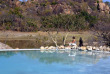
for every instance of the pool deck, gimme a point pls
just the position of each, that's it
(25, 49)
(17, 49)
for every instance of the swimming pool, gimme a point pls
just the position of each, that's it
(54, 62)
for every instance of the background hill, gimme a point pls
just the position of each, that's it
(35, 15)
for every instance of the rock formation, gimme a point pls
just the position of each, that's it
(65, 6)
(4, 46)
(103, 7)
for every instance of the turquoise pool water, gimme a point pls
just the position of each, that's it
(54, 62)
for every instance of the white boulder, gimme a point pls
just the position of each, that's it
(61, 47)
(42, 47)
(97, 49)
(46, 47)
(108, 49)
(74, 47)
(89, 48)
(51, 47)
(104, 48)
(101, 47)
(83, 48)
(67, 47)
(94, 48)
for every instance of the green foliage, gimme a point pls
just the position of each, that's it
(91, 19)
(66, 22)
(94, 8)
(16, 11)
(47, 12)
(22, 3)
(30, 24)
(26, 17)
(7, 27)
(37, 4)
(80, 23)
(1, 2)
(107, 3)
(43, 4)
(54, 3)
(97, 1)
(69, 22)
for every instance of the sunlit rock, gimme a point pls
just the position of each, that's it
(97, 48)
(83, 48)
(74, 47)
(61, 47)
(93, 48)
(108, 49)
(54, 47)
(51, 47)
(89, 48)
(104, 48)
(46, 47)
(68, 47)
(42, 48)
(17, 48)
(4, 46)
(101, 48)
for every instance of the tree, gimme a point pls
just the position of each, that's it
(102, 31)
(107, 3)
(63, 22)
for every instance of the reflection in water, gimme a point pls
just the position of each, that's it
(54, 62)
(64, 57)
(7, 54)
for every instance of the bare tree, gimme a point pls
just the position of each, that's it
(65, 38)
(53, 37)
(102, 31)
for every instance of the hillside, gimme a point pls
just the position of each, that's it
(35, 15)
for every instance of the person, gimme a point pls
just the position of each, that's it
(73, 43)
(80, 42)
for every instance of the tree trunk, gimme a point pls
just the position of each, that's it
(65, 38)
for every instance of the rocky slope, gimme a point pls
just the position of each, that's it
(27, 16)
(4, 46)
(65, 6)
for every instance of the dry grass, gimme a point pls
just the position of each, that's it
(10, 35)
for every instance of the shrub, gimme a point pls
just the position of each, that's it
(7, 27)
(54, 3)
(43, 4)
(97, 1)
(30, 24)
(22, 3)
(66, 22)
(102, 30)
(16, 11)
(91, 19)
